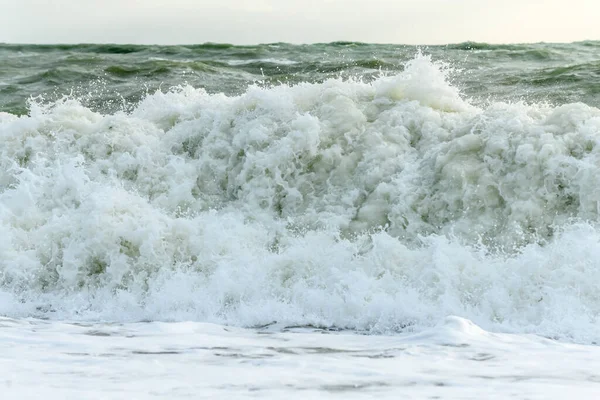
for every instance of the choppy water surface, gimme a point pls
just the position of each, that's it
(108, 77)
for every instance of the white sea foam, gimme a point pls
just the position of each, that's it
(453, 360)
(371, 206)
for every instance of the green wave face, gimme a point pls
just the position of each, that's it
(555, 73)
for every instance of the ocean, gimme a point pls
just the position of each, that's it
(341, 220)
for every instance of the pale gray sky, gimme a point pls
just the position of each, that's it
(297, 21)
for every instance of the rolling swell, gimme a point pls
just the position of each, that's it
(131, 71)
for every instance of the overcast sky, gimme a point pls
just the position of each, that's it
(297, 21)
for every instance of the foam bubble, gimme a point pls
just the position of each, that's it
(374, 206)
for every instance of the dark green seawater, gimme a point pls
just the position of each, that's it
(112, 77)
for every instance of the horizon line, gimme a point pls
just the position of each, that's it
(340, 42)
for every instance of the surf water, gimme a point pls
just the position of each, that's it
(339, 220)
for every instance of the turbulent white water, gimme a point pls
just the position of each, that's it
(367, 206)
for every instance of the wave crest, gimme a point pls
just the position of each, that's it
(360, 205)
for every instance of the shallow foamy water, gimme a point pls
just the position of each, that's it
(455, 359)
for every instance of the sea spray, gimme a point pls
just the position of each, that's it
(377, 206)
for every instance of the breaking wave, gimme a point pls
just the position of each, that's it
(377, 206)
